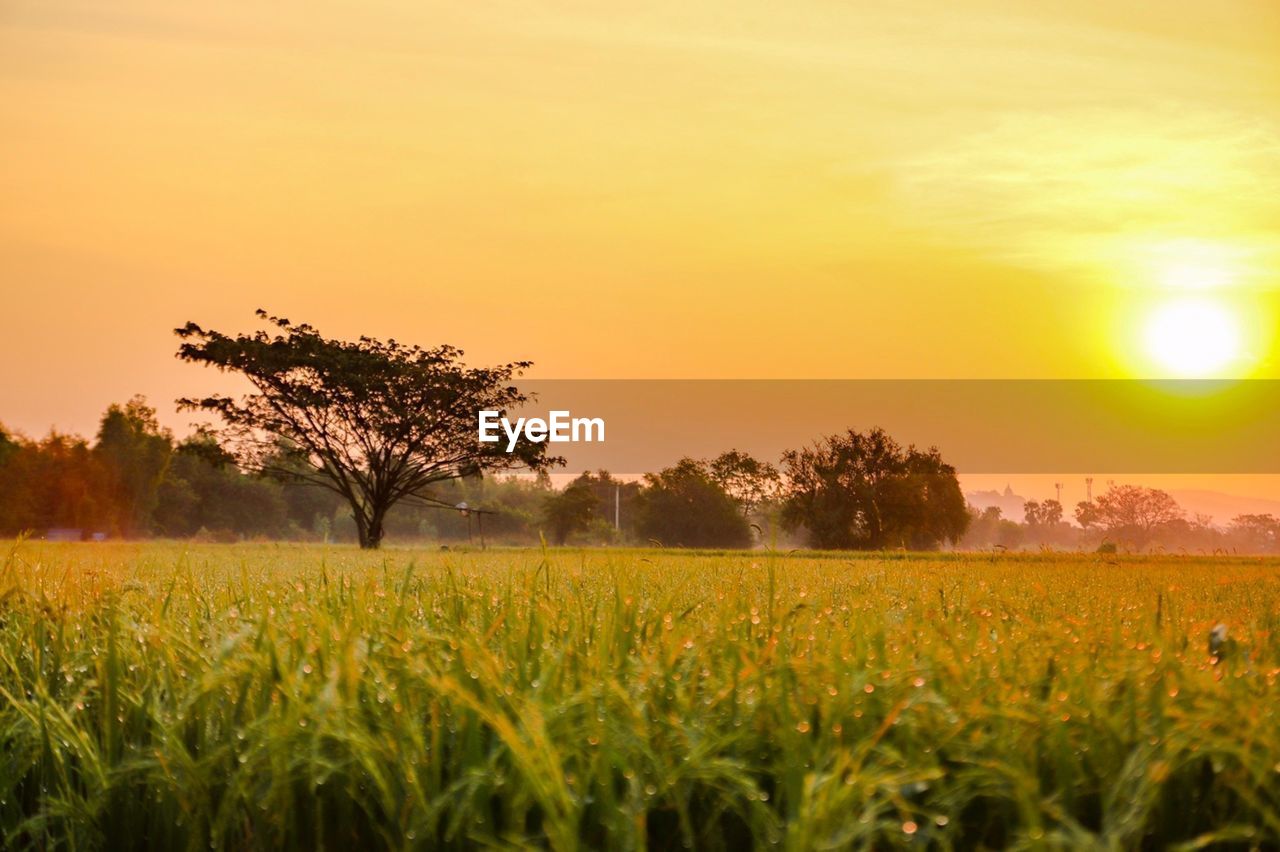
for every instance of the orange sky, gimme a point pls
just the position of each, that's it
(1000, 188)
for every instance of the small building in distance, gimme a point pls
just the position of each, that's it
(1011, 506)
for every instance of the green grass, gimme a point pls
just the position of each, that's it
(184, 697)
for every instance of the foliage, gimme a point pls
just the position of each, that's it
(570, 511)
(1042, 514)
(133, 482)
(375, 422)
(987, 529)
(749, 481)
(1257, 533)
(512, 506)
(588, 507)
(682, 505)
(1134, 513)
(8, 446)
(203, 697)
(135, 452)
(205, 491)
(1087, 514)
(58, 482)
(865, 491)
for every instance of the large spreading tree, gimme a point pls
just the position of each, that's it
(375, 422)
(1130, 512)
(864, 491)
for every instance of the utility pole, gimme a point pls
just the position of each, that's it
(617, 507)
(1088, 489)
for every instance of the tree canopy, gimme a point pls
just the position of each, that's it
(136, 453)
(375, 422)
(864, 491)
(749, 481)
(684, 506)
(1130, 512)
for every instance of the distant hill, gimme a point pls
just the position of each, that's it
(1223, 507)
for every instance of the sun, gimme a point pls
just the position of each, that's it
(1193, 337)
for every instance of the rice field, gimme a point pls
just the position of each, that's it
(302, 697)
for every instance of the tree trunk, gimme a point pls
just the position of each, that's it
(369, 517)
(369, 528)
(373, 536)
(362, 526)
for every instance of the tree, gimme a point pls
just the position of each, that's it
(1135, 513)
(512, 506)
(746, 479)
(592, 502)
(864, 491)
(1046, 514)
(1256, 533)
(204, 490)
(309, 507)
(135, 452)
(684, 506)
(615, 499)
(571, 510)
(1087, 514)
(375, 422)
(56, 482)
(8, 446)
(984, 527)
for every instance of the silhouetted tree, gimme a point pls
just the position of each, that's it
(1046, 514)
(592, 503)
(1087, 514)
(864, 491)
(571, 510)
(375, 422)
(746, 479)
(1135, 513)
(135, 452)
(1257, 533)
(684, 506)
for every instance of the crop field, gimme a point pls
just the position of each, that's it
(264, 696)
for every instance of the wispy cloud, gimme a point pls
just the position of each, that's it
(1095, 188)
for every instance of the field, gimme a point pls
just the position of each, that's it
(261, 696)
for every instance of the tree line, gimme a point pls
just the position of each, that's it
(360, 439)
(134, 479)
(1123, 518)
(850, 491)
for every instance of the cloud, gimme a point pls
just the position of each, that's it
(1104, 188)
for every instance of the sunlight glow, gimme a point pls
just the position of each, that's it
(1195, 264)
(1193, 337)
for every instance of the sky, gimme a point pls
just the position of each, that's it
(927, 189)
